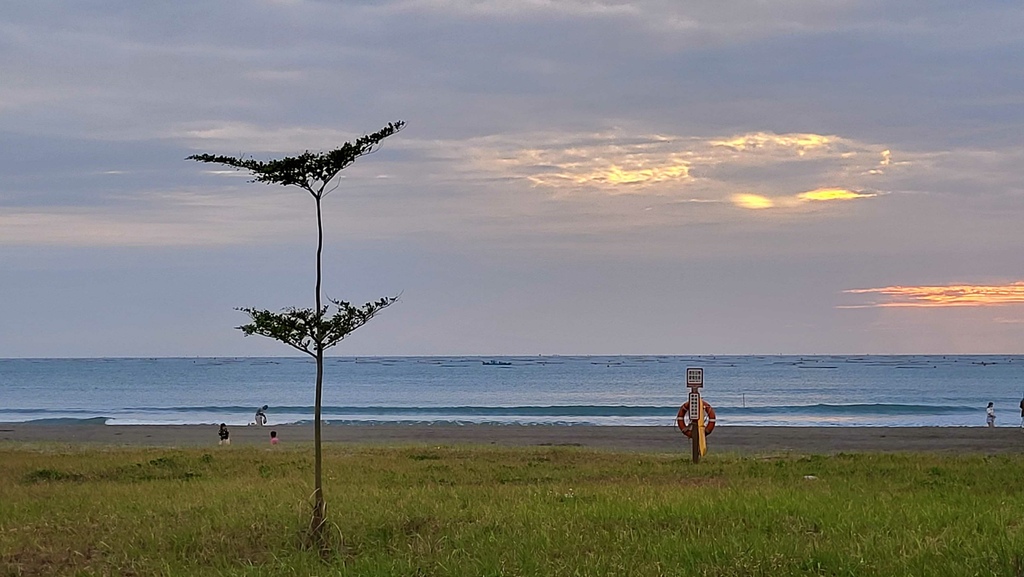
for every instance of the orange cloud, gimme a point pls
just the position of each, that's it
(945, 296)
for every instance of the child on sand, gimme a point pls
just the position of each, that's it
(225, 436)
(990, 415)
(273, 437)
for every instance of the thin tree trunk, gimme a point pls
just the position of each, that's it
(319, 504)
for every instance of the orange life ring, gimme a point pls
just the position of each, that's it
(682, 418)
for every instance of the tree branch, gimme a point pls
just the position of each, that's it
(293, 327)
(348, 318)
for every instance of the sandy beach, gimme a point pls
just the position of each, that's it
(744, 440)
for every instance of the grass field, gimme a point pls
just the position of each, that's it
(482, 511)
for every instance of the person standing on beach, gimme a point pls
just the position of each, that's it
(990, 415)
(225, 436)
(1022, 413)
(261, 417)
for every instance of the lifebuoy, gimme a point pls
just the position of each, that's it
(683, 418)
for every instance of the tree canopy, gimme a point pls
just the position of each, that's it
(311, 171)
(305, 330)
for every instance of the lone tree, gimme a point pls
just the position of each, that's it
(312, 330)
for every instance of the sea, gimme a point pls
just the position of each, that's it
(837, 391)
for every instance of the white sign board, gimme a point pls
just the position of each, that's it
(694, 377)
(694, 406)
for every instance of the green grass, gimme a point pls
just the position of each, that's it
(485, 511)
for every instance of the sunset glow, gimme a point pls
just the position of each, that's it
(614, 179)
(752, 201)
(944, 296)
(619, 175)
(822, 194)
(814, 169)
(797, 141)
(757, 202)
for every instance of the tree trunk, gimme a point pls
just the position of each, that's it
(319, 518)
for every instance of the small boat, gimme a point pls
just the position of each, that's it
(497, 363)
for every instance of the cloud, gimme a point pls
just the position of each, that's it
(615, 176)
(222, 135)
(758, 202)
(827, 194)
(752, 201)
(174, 218)
(520, 8)
(765, 167)
(801, 144)
(944, 296)
(541, 186)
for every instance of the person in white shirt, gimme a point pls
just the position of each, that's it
(261, 416)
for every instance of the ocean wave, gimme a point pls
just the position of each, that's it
(529, 413)
(852, 409)
(540, 410)
(68, 421)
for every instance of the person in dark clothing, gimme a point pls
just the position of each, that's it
(225, 436)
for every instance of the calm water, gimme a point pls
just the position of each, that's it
(604, 390)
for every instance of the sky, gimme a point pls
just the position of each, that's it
(575, 176)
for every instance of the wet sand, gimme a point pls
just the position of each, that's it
(725, 439)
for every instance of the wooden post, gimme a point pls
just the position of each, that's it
(695, 433)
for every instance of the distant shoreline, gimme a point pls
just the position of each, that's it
(725, 439)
